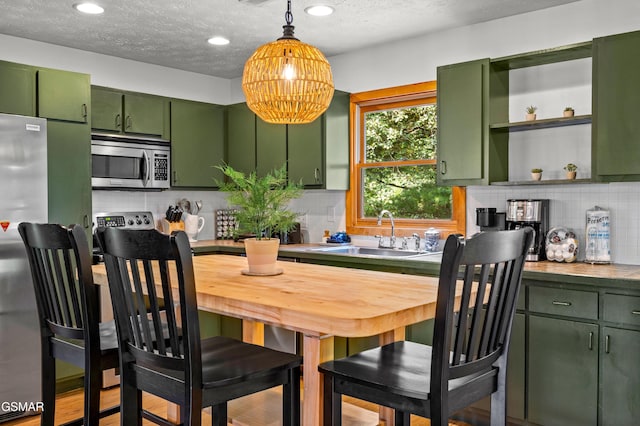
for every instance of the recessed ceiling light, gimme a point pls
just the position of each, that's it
(218, 41)
(319, 10)
(90, 8)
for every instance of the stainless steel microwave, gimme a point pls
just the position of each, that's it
(119, 162)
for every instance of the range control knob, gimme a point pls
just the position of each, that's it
(130, 222)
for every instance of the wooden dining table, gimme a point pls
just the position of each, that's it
(318, 301)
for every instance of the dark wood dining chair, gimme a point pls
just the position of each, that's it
(194, 373)
(468, 358)
(69, 312)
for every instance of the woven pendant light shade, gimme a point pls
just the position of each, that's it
(287, 81)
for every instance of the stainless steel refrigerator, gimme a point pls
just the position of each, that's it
(23, 197)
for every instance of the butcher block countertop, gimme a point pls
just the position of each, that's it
(612, 275)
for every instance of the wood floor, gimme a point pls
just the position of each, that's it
(262, 409)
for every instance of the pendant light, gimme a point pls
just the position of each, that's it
(287, 81)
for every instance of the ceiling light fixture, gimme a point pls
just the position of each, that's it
(287, 81)
(218, 41)
(90, 8)
(319, 10)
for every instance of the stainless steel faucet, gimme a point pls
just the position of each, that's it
(392, 239)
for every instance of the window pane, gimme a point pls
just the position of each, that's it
(408, 192)
(401, 134)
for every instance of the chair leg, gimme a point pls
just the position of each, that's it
(130, 402)
(219, 415)
(332, 411)
(499, 400)
(92, 384)
(48, 385)
(402, 418)
(291, 399)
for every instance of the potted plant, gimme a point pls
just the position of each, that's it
(570, 170)
(531, 112)
(262, 212)
(536, 174)
(568, 112)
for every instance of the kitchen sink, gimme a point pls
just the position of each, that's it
(371, 251)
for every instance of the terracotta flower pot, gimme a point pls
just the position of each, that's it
(531, 117)
(568, 113)
(262, 256)
(536, 176)
(571, 175)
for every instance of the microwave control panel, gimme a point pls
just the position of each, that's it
(161, 167)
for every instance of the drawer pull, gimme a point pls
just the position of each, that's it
(606, 344)
(635, 312)
(558, 303)
(591, 340)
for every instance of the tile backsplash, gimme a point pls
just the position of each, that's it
(322, 210)
(567, 207)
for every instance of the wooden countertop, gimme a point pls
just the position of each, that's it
(617, 275)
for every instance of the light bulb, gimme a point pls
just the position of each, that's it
(289, 72)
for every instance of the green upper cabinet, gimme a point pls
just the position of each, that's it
(17, 89)
(241, 138)
(463, 99)
(128, 112)
(197, 143)
(63, 95)
(271, 146)
(316, 153)
(305, 152)
(615, 127)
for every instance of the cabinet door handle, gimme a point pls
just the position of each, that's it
(443, 167)
(175, 177)
(127, 122)
(316, 175)
(606, 344)
(85, 221)
(84, 111)
(559, 303)
(591, 340)
(635, 312)
(118, 121)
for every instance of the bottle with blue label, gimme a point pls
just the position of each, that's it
(597, 235)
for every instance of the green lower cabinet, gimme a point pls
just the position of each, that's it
(17, 89)
(69, 187)
(197, 144)
(563, 372)
(620, 377)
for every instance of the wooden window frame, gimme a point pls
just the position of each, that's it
(382, 99)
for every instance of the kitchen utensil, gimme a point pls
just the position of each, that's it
(198, 207)
(184, 205)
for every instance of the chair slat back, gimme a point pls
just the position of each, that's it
(62, 279)
(471, 334)
(143, 267)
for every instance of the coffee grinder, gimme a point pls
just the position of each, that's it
(489, 220)
(534, 214)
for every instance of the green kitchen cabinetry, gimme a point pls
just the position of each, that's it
(616, 128)
(464, 157)
(271, 146)
(316, 153)
(197, 144)
(563, 372)
(563, 356)
(129, 112)
(241, 138)
(63, 95)
(17, 89)
(305, 152)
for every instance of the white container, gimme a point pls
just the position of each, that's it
(597, 235)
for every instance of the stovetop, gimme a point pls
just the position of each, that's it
(128, 220)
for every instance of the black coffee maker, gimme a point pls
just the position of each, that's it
(534, 214)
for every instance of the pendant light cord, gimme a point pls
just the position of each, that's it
(287, 32)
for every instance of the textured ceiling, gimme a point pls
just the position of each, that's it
(174, 33)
